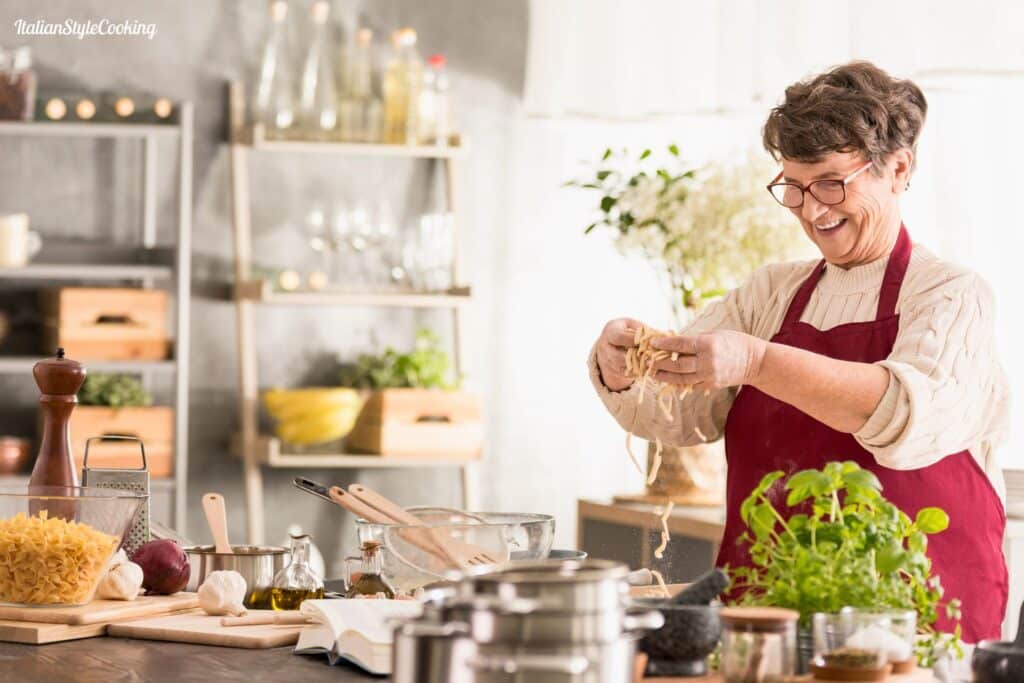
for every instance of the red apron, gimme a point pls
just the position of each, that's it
(763, 434)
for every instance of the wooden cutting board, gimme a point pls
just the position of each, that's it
(40, 634)
(202, 629)
(101, 611)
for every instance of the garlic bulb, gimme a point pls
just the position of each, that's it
(223, 593)
(122, 580)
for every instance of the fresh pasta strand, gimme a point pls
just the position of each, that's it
(656, 465)
(661, 583)
(665, 536)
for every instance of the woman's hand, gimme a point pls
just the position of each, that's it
(616, 337)
(712, 360)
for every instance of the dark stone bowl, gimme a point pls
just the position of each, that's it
(997, 662)
(680, 647)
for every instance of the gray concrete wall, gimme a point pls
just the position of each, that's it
(89, 190)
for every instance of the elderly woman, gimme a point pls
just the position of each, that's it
(880, 352)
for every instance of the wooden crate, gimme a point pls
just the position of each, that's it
(106, 323)
(419, 423)
(153, 424)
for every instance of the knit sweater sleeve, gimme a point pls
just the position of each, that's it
(945, 384)
(699, 417)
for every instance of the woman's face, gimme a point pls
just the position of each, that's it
(863, 228)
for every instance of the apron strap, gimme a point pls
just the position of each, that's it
(802, 296)
(888, 293)
(894, 272)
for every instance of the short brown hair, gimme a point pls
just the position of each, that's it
(853, 107)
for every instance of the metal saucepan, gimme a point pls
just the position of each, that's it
(568, 586)
(256, 564)
(1000, 661)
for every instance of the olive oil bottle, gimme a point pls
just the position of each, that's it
(369, 580)
(297, 582)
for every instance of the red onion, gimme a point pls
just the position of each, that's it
(165, 567)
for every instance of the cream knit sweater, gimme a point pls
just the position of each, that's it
(946, 393)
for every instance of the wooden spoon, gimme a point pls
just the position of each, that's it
(216, 517)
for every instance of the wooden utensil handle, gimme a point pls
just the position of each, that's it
(264, 619)
(216, 517)
(358, 507)
(385, 505)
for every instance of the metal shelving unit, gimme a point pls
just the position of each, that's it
(155, 264)
(256, 450)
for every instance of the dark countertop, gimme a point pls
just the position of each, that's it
(121, 660)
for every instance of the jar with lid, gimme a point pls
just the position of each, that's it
(17, 84)
(758, 644)
(367, 580)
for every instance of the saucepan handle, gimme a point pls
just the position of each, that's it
(648, 620)
(513, 664)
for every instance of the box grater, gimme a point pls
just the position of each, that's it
(124, 479)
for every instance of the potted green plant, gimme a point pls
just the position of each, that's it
(111, 404)
(704, 230)
(414, 407)
(845, 546)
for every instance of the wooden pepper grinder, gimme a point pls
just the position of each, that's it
(59, 380)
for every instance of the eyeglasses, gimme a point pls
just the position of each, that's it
(829, 192)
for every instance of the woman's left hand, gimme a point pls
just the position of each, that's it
(711, 360)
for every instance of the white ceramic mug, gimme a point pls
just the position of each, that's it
(18, 244)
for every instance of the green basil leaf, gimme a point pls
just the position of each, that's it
(932, 520)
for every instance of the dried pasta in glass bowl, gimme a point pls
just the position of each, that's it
(55, 543)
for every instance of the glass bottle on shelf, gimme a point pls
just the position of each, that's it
(17, 84)
(414, 78)
(297, 582)
(361, 111)
(370, 580)
(318, 103)
(274, 103)
(434, 111)
(396, 93)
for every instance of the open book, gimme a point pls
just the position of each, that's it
(358, 631)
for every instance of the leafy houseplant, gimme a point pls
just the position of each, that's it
(114, 391)
(413, 409)
(425, 367)
(846, 546)
(704, 230)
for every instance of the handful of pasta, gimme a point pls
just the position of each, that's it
(48, 560)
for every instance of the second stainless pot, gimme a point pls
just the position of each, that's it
(256, 564)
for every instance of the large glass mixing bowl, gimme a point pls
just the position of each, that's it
(409, 563)
(56, 542)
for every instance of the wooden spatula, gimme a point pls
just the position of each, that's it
(216, 517)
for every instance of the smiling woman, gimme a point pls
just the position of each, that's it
(879, 353)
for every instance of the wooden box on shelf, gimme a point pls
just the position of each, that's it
(416, 423)
(106, 323)
(154, 425)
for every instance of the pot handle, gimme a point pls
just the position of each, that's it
(650, 620)
(419, 629)
(513, 664)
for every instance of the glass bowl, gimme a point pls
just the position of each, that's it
(56, 541)
(503, 536)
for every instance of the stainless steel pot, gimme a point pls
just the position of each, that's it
(564, 586)
(256, 564)
(425, 652)
(525, 622)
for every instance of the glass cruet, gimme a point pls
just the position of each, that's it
(368, 579)
(297, 581)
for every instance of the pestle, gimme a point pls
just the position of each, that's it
(702, 591)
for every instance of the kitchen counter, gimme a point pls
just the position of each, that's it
(117, 660)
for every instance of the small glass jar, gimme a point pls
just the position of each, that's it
(17, 85)
(758, 644)
(892, 630)
(368, 579)
(297, 582)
